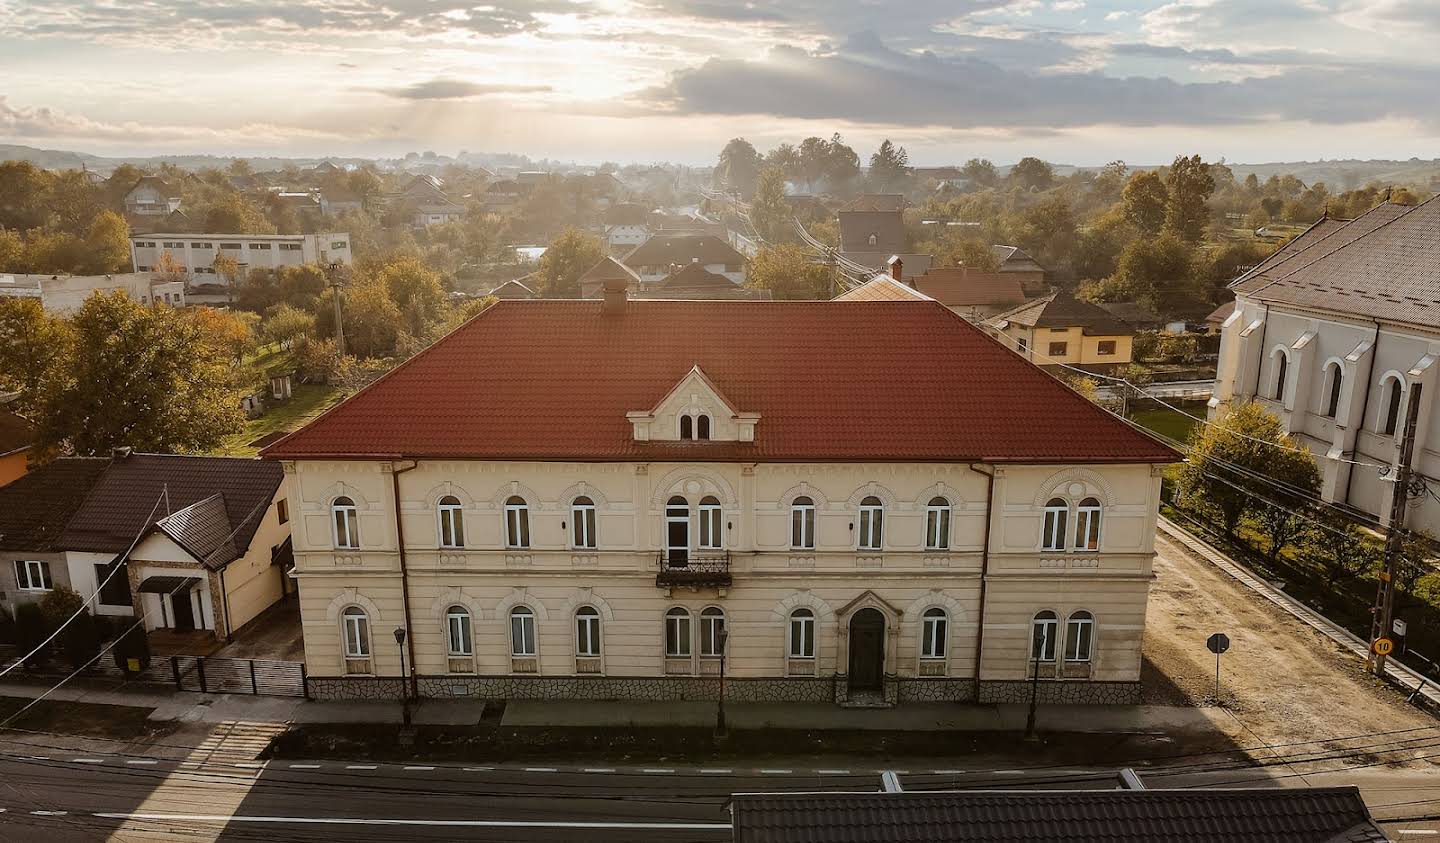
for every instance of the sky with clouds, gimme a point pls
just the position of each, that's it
(1076, 81)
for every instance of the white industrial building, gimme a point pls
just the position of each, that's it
(64, 294)
(197, 252)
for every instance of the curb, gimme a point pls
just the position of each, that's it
(1402, 677)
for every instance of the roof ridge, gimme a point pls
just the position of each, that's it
(1409, 210)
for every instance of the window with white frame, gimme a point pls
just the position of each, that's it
(582, 512)
(345, 520)
(357, 633)
(934, 633)
(33, 575)
(1079, 636)
(677, 633)
(712, 628)
(452, 522)
(517, 522)
(587, 632)
(1393, 394)
(1087, 525)
(802, 634)
(1052, 533)
(1282, 364)
(712, 523)
(522, 632)
(1042, 636)
(937, 524)
(872, 523)
(457, 627)
(1334, 380)
(802, 523)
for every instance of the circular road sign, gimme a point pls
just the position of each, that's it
(1218, 643)
(1383, 646)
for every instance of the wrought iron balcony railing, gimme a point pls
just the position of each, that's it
(690, 567)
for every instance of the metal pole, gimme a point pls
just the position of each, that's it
(339, 315)
(720, 709)
(1217, 678)
(1034, 694)
(1395, 533)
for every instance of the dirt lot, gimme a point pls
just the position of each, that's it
(1282, 682)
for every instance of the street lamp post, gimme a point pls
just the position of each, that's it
(404, 678)
(721, 638)
(1034, 694)
(335, 269)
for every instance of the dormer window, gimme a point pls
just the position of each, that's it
(873, 239)
(695, 426)
(693, 410)
(687, 427)
(702, 427)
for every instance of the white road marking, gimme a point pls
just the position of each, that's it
(38, 757)
(361, 767)
(304, 766)
(249, 765)
(49, 813)
(724, 772)
(222, 818)
(599, 769)
(417, 767)
(657, 770)
(833, 772)
(87, 760)
(541, 770)
(478, 769)
(1419, 831)
(947, 772)
(140, 761)
(777, 772)
(1009, 772)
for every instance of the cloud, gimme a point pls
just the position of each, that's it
(866, 82)
(457, 89)
(43, 122)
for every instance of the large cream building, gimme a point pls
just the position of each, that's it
(861, 502)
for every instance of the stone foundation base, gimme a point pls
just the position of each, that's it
(1052, 692)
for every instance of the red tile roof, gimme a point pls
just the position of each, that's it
(832, 381)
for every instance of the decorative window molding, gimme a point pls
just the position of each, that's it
(805, 489)
(521, 597)
(586, 596)
(678, 481)
(455, 596)
(807, 599)
(351, 596)
(1059, 485)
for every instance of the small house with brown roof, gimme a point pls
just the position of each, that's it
(34, 511)
(152, 196)
(608, 269)
(662, 254)
(1060, 330)
(694, 281)
(973, 295)
(1016, 262)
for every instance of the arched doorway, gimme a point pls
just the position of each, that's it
(867, 650)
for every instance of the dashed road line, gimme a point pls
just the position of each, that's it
(87, 760)
(477, 769)
(599, 769)
(1426, 831)
(417, 767)
(139, 761)
(362, 767)
(833, 772)
(717, 772)
(304, 766)
(248, 765)
(49, 813)
(1009, 772)
(948, 772)
(658, 770)
(541, 770)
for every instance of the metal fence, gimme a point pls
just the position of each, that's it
(238, 676)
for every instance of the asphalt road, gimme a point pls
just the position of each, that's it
(71, 797)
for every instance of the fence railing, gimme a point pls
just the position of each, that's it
(238, 676)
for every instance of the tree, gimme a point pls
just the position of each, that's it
(769, 212)
(107, 244)
(966, 250)
(1189, 184)
(1417, 558)
(787, 158)
(1151, 272)
(225, 267)
(1032, 174)
(568, 257)
(372, 320)
(739, 167)
(12, 251)
(139, 376)
(31, 630)
(1145, 198)
(132, 650)
(788, 272)
(980, 173)
(79, 637)
(1243, 456)
(286, 324)
(1342, 550)
(889, 167)
(168, 268)
(415, 289)
(1110, 181)
(233, 214)
(32, 342)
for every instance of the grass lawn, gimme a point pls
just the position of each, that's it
(1167, 422)
(307, 401)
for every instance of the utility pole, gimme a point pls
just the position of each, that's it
(1384, 608)
(335, 285)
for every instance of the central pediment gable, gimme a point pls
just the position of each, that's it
(694, 409)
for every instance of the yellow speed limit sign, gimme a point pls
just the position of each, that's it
(1383, 646)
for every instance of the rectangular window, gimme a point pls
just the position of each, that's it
(712, 627)
(711, 527)
(1021, 344)
(937, 528)
(872, 520)
(259, 247)
(114, 591)
(458, 639)
(1106, 347)
(289, 247)
(587, 636)
(1059, 349)
(357, 637)
(232, 246)
(677, 636)
(802, 527)
(202, 245)
(802, 636)
(1077, 639)
(1042, 639)
(1053, 534)
(33, 575)
(522, 635)
(584, 532)
(337, 244)
(282, 511)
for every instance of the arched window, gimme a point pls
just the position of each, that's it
(937, 524)
(517, 522)
(1334, 379)
(677, 531)
(522, 632)
(872, 523)
(712, 523)
(1087, 525)
(1052, 534)
(582, 512)
(687, 427)
(346, 523)
(1394, 394)
(452, 522)
(712, 627)
(457, 628)
(356, 626)
(677, 633)
(587, 632)
(1042, 636)
(934, 633)
(702, 427)
(802, 523)
(802, 634)
(1079, 636)
(1282, 363)
(873, 239)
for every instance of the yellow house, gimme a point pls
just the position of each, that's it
(859, 502)
(1061, 329)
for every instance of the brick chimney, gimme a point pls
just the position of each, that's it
(615, 289)
(897, 268)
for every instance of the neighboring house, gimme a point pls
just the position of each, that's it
(1016, 261)
(335, 201)
(883, 288)
(34, 510)
(303, 202)
(17, 437)
(875, 502)
(1217, 318)
(973, 295)
(1332, 333)
(204, 540)
(513, 289)
(152, 196)
(660, 255)
(1061, 329)
(427, 202)
(1238, 815)
(915, 264)
(503, 195)
(871, 202)
(65, 294)
(872, 231)
(592, 283)
(696, 282)
(662, 223)
(196, 252)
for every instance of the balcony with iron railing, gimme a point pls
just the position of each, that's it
(680, 567)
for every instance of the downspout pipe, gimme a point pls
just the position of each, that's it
(1364, 411)
(225, 607)
(395, 472)
(984, 570)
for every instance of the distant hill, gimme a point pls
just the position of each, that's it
(58, 159)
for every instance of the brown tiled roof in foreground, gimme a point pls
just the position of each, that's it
(35, 508)
(832, 381)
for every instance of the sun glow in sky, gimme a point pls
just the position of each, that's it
(1076, 81)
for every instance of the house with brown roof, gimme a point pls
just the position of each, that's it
(592, 283)
(694, 281)
(34, 510)
(1333, 333)
(152, 196)
(1060, 330)
(862, 502)
(973, 295)
(662, 254)
(1016, 262)
(200, 543)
